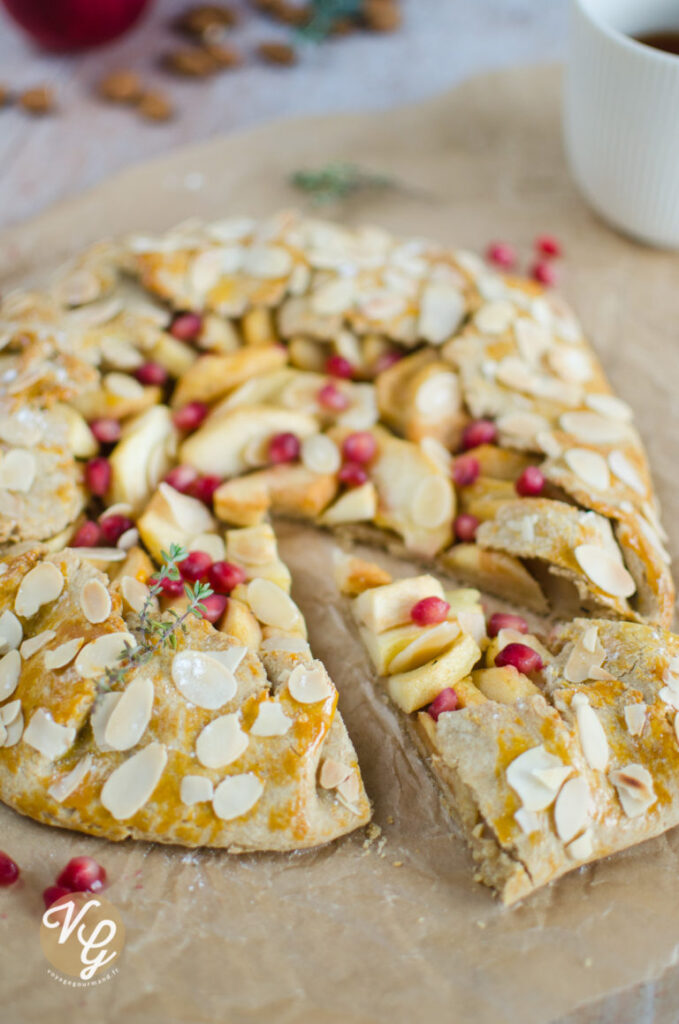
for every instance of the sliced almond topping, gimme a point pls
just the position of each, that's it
(271, 720)
(221, 742)
(17, 470)
(9, 712)
(14, 731)
(572, 808)
(589, 466)
(67, 784)
(47, 736)
(581, 848)
(95, 601)
(11, 631)
(10, 670)
(131, 785)
(586, 658)
(611, 407)
(229, 658)
(442, 308)
(309, 684)
(333, 773)
(523, 426)
(592, 736)
(527, 821)
(320, 454)
(555, 777)
(102, 653)
(34, 643)
(103, 709)
(523, 776)
(495, 317)
(532, 339)
(39, 586)
(591, 428)
(271, 604)
(134, 592)
(349, 790)
(605, 570)
(625, 471)
(635, 788)
(130, 716)
(63, 654)
(547, 442)
(437, 453)
(267, 261)
(122, 385)
(337, 296)
(203, 679)
(196, 789)
(236, 795)
(635, 718)
(100, 554)
(432, 502)
(289, 644)
(669, 696)
(129, 539)
(189, 513)
(211, 543)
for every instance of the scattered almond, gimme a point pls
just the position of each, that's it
(38, 101)
(281, 54)
(155, 106)
(121, 86)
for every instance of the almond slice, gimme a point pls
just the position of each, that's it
(102, 653)
(17, 470)
(11, 631)
(14, 731)
(289, 644)
(611, 407)
(34, 643)
(528, 821)
(337, 296)
(101, 712)
(271, 720)
(635, 718)
(349, 790)
(130, 716)
(95, 601)
(625, 471)
(271, 604)
(589, 466)
(63, 654)
(236, 795)
(333, 773)
(581, 848)
(134, 592)
(8, 712)
(189, 513)
(131, 785)
(634, 785)
(592, 736)
(591, 428)
(432, 502)
(196, 789)
(495, 317)
(221, 742)
(48, 737)
(523, 426)
(122, 385)
(267, 261)
(523, 777)
(67, 784)
(442, 307)
(572, 808)
(605, 570)
(10, 671)
(320, 454)
(100, 554)
(211, 543)
(308, 684)
(39, 586)
(203, 679)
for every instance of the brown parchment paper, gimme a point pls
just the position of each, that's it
(393, 929)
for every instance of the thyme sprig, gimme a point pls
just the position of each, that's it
(156, 633)
(338, 181)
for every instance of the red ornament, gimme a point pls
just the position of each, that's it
(72, 24)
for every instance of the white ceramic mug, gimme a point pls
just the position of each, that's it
(621, 115)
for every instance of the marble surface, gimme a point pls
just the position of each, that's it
(441, 42)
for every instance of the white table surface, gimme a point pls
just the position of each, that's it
(441, 42)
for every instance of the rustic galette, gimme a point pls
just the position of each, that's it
(166, 397)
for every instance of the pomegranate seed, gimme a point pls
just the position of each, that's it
(214, 606)
(521, 657)
(531, 483)
(548, 245)
(502, 254)
(86, 536)
(106, 430)
(338, 366)
(465, 470)
(9, 870)
(190, 416)
(186, 326)
(544, 272)
(352, 475)
(171, 588)
(152, 373)
(330, 397)
(429, 611)
(82, 874)
(204, 488)
(53, 893)
(284, 448)
(224, 576)
(446, 701)
(465, 527)
(181, 478)
(194, 566)
(479, 432)
(386, 360)
(359, 447)
(113, 527)
(98, 475)
(505, 620)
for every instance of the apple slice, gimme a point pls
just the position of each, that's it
(415, 689)
(79, 437)
(212, 376)
(172, 518)
(355, 575)
(384, 607)
(496, 572)
(504, 685)
(354, 506)
(289, 489)
(143, 456)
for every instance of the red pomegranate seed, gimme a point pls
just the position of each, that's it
(194, 566)
(214, 607)
(531, 483)
(502, 254)
(386, 360)
(224, 576)
(360, 447)
(86, 536)
(106, 430)
(544, 272)
(152, 373)
(284, 448)
(181, 478)
(465, 527)
(171, 588)
(429, 611)
(479, 432)
(186, 326)
(465, 470)
(204, 488)
(338, 366)
(505, 620)
(446, 701)
(352, 474)
(521, 657)
(82, 874)
(330, 397)
(548, 245)
(53, 893)
(190, 416)
(9, 870)
(98, 475)
(113, 527)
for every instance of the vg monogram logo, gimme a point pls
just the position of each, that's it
(82, 935)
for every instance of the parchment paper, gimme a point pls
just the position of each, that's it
(344, 935)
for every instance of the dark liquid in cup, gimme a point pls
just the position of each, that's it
(667, 41)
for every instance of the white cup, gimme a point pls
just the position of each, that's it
(621, 115)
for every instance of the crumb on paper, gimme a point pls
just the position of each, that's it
(390, 819)
(397, 863)
(588, 961)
